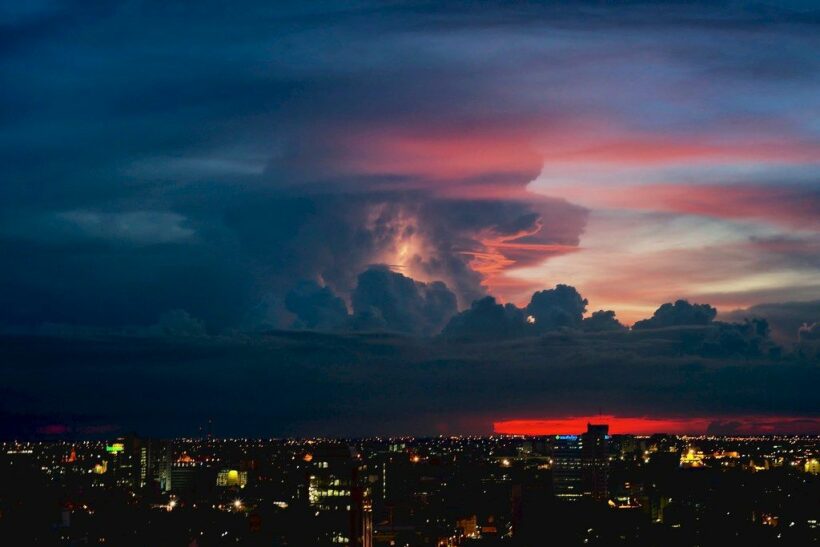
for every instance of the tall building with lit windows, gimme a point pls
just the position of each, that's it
(580, 465)
(135, 462)
(150, 456)
(566, 467)
(339, 498)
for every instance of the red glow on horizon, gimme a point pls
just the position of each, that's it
(643, 425)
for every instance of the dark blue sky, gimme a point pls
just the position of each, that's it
(177, 170)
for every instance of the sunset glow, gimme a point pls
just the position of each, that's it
(644, 425)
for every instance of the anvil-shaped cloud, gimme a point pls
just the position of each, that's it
(641, 153)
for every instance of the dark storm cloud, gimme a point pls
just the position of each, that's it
(316, 307)
(98, 283)
(257, 247)
(602, 321)
(335, 237)
(678, 314)
(786, 319)
(397, 303)
(559, 308)
(382, 300)
(309, 383)
(554, 308)
(489, 320)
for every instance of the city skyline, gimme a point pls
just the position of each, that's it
(409, 273)
(591, 487)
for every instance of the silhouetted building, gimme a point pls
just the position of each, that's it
(339, 498)
(595, 462)
(190, 478)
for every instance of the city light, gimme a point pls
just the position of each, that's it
(115, 448)
(410, 273)
(349, 489)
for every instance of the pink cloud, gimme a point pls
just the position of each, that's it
(788, 205)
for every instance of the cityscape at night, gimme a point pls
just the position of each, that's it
(409, 273)
(590, 488)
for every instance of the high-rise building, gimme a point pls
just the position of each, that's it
(595, 462)
(135, 462)
(339, 498)
(121, 462)
(151, 455)
(580, 464)
(566, 467)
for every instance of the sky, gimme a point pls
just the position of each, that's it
(231, 169)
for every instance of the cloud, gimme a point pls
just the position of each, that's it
(179, 323)
(316, 307)
(175, 323)
(142, 227)
(678, 314)
(688, 328)
(307, 383)
(809, 332)
(88, 227)
(488, 319)
(786, 319)
(268, 155)
(548, 310)
(602, 321)
(809, 341)
(790, 204)
(383, 300)
(554, 308)
(749, 338)
(397, 303)
(279, 237)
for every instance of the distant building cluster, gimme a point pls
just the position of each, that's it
(519, 491)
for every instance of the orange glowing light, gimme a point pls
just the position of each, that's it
(647, 425)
